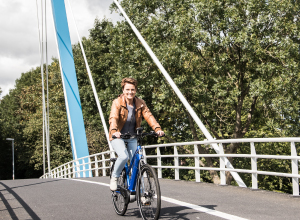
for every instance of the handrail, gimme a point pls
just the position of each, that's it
(224, 141)
(98, 163)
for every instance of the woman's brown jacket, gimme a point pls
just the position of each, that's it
(119, 113)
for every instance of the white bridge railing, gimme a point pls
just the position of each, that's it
(98, 164)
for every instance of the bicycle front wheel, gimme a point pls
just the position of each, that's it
(118, 199)
(148, 193)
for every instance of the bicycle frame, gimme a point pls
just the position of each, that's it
(134, 166)
(126, 191)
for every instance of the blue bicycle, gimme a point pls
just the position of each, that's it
(138, 182)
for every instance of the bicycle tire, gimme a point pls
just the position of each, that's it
(148, 193)
(118, 199)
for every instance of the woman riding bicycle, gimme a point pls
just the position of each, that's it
(125, 116)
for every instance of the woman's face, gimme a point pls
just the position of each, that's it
(129, 91)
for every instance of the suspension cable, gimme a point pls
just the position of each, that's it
(39, 33)
(43, 88)
(47, 79)
(45, 124)
(91, 80)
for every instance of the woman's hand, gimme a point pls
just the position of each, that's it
(160, 133)
(117, 134)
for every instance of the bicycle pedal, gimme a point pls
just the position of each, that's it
(145, 201)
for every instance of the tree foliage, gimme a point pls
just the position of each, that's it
(236, 62)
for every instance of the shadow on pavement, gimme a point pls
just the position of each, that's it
(177, 212)
(46, 181)
(20, 200)
(174, 212)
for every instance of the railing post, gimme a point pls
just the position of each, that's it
(73, 170)
(69, 171)
(112, 155)
(83, 167)
(77, 166)
(197, 165)
(103, 165)
(253, 166)
(96, 166)
(159, 170)
(295, 170)
(176, 163)
(90, 167)
(65, 171)
(222, 165)
(144, 153)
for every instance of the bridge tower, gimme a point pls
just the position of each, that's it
(69, 81)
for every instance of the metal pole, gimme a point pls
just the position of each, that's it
(13, 157)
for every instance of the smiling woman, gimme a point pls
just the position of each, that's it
(125, 116)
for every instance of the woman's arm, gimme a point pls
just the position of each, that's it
(151, 120)
(114, 117)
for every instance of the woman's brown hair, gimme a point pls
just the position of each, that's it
(130, 81)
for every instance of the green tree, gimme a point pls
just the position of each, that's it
(21, 119)
(32, 110)
(232, 60)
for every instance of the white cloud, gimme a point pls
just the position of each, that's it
(19, 39)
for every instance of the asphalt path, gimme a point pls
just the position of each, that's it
(90, 198)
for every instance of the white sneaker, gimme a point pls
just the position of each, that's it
(113, 183)
(145, 201)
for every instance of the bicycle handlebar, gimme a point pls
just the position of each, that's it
(128, 135)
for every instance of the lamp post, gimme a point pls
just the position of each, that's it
(13, 158)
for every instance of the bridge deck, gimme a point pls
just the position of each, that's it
(89, 198)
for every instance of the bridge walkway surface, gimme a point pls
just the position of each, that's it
(90, 198)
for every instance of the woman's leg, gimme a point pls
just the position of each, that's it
(131, 147)
(120, 148)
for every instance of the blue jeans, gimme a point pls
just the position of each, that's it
(123, 153)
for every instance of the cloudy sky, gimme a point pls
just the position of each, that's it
(19, 38)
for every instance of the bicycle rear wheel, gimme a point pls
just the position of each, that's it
(118, 199)
(149, 197)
